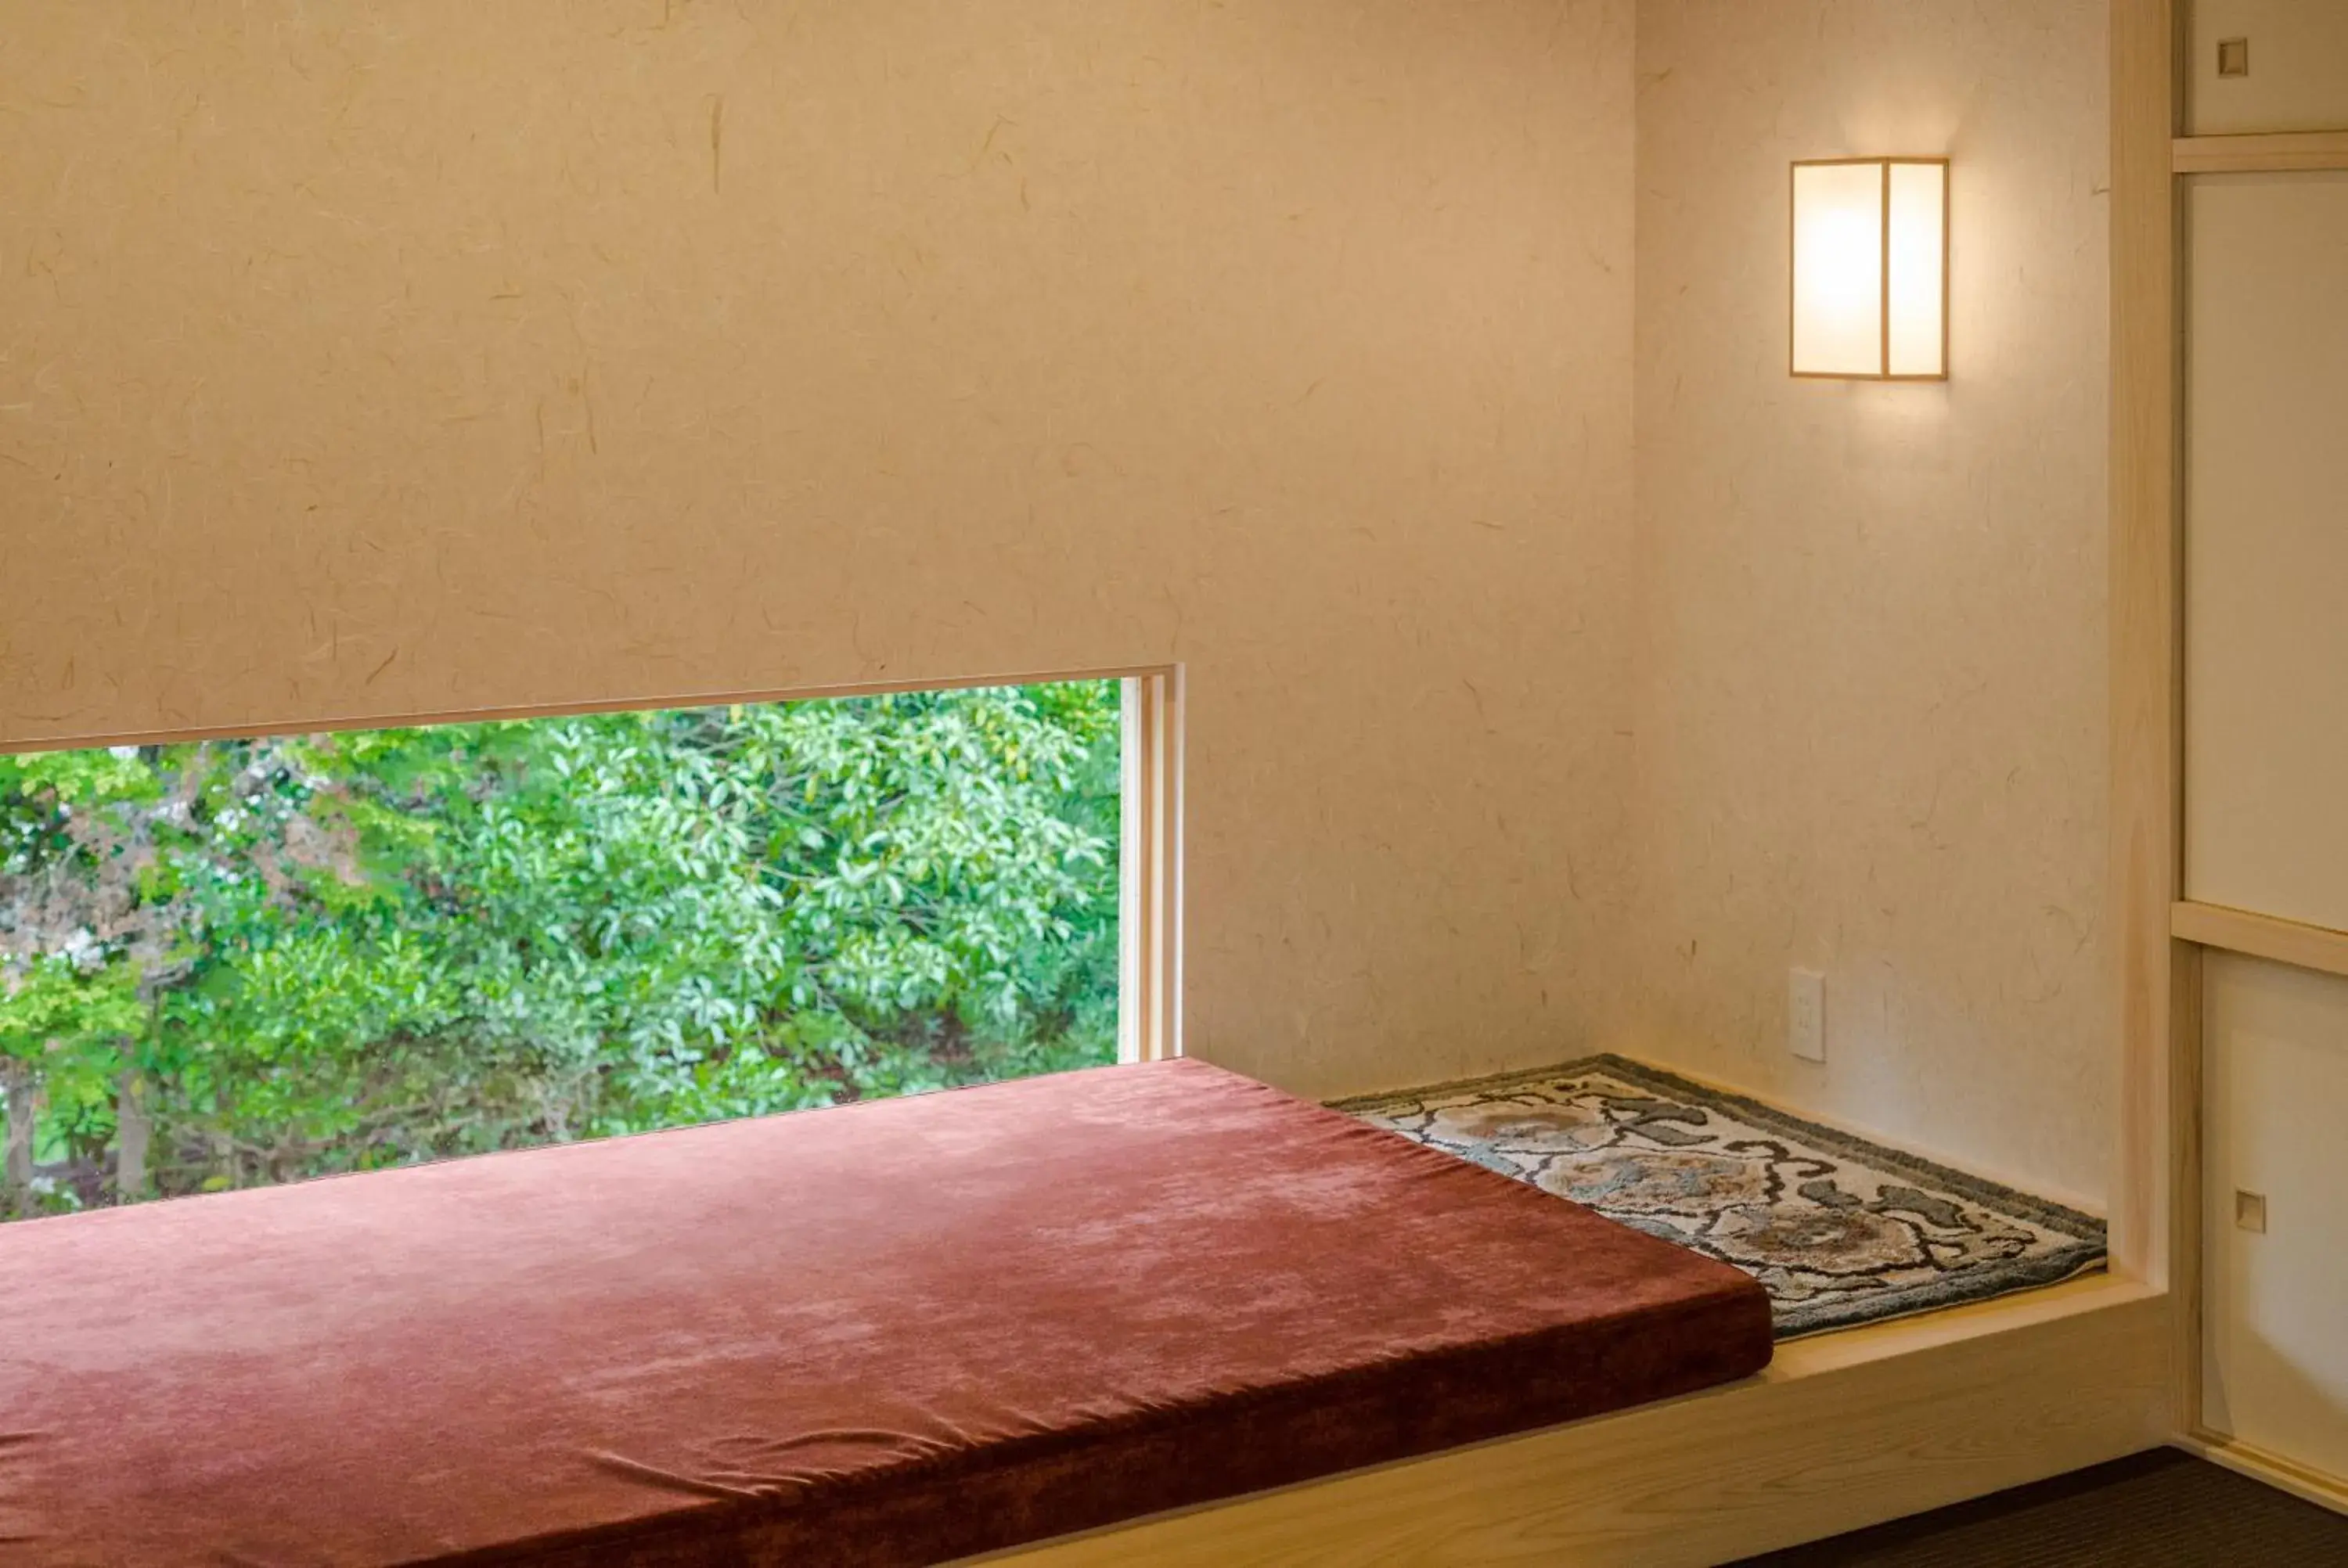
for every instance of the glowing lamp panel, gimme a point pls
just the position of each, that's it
(1870, 269)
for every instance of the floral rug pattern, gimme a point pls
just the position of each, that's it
(1840, 1231)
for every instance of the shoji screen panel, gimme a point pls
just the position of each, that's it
(2266, 575)
(2274, 1370)
(2297, 56)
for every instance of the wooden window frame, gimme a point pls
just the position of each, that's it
(1149, 921)
(1149, 901)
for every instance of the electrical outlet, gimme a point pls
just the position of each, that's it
(1806, 1014)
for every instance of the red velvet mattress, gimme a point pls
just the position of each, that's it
(888, 1333)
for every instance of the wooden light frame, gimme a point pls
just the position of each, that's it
(1885, 270)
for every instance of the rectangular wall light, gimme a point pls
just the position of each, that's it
(1870, 269)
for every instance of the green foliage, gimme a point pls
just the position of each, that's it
(335, 952)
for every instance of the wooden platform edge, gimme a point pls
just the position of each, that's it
(1845, 1430)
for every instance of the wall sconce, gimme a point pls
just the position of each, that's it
(1870, 273)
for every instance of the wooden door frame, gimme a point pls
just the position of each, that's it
(2162, 938)
(2151, 1228)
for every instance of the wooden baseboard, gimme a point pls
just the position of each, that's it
(1845, 1430)
(2247, 1458)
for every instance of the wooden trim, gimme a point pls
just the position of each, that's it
(1883, 276)
(2186, 1139)
(1845, 1430)
(2261, 936)
(1793, 262)
(1948, 259)
(2147, 1190)
(2272, 153)
(2248, 1459)
(314, 725)
(1150, 941)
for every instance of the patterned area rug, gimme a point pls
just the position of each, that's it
(1840, 1231)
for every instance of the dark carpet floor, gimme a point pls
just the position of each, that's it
(2157, 1510)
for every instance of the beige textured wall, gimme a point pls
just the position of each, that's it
(362, 361)
(1871, 667)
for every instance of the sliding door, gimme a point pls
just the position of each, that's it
(2265, 766)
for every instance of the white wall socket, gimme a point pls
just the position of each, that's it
(1806, 1014)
